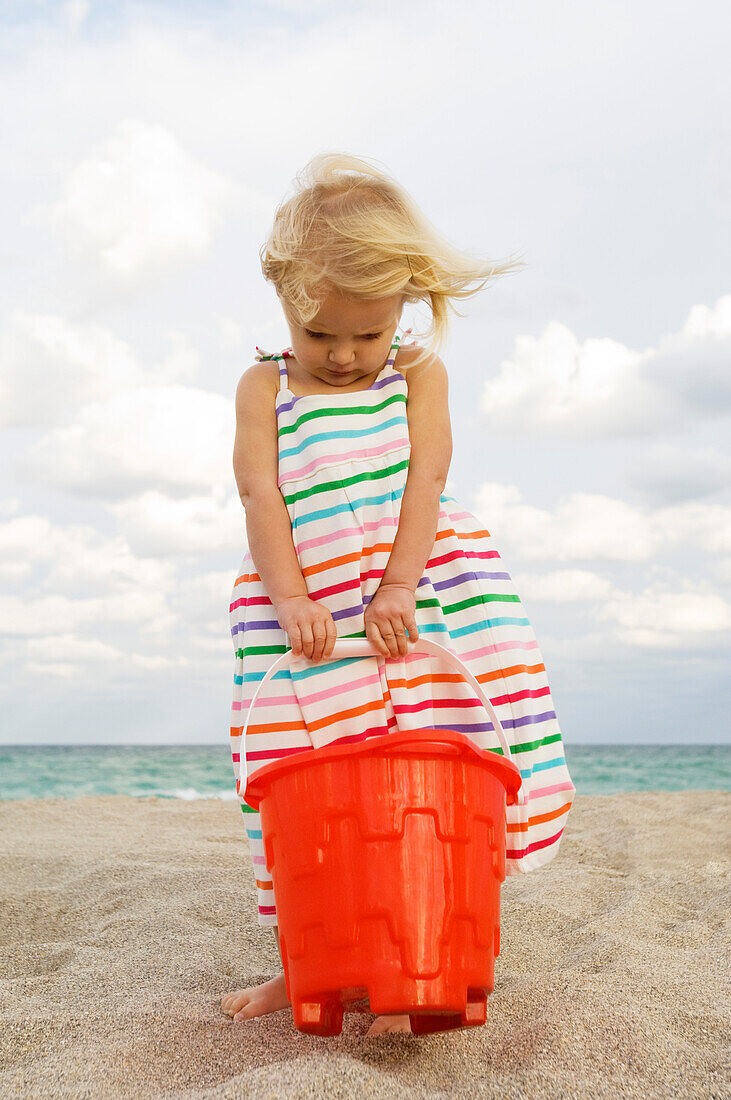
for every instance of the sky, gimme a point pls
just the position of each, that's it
(145, 148)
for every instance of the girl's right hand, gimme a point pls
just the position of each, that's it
(310, 627)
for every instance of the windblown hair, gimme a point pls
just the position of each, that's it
(350, 227)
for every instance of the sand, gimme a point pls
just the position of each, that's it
(123, 921)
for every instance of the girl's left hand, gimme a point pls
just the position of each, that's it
(388, 617)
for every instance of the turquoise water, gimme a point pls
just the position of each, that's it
(204, 771)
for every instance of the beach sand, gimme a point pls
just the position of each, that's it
(124, 920)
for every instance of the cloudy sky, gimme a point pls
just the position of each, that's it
(145, 146)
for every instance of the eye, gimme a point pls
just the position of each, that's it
(373, 336)
(314, 335)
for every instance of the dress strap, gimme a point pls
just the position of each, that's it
(262, 356)
(395, 346)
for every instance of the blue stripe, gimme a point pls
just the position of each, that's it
(502, 621)
(546, 765)
(326, 513)
(345, 434)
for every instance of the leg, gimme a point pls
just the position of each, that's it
(258, 1000)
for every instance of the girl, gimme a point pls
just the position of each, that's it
(341, 456)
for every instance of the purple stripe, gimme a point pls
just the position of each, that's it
(377, 385)
(452, 581)
(347, 612)
(529, 720)
(256, 624)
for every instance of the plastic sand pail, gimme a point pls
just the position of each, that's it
(387, 858)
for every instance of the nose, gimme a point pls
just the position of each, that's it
(341, 355)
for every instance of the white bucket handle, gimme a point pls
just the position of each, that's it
(362, 647)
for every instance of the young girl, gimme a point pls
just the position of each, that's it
(342, 452)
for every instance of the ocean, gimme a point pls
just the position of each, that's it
(204, 771)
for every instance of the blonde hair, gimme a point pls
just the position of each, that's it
(350, 227)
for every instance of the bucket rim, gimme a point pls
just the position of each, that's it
(506, 770)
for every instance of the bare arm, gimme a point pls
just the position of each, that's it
(308, 623)
(431, 452)
(255, 460)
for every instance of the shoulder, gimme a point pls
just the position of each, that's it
(420, 366)
(260, 381)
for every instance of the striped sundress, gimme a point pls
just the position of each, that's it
(343, 463)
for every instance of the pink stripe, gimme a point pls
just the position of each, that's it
(333, 536)
(371, 525)
(500, 647)
(542, 791)
(262, 701)
(341, 689)
(348, 456)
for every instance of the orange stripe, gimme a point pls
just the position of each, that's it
(473, 534)
(377, 548)
(512, 670)
(279, 727)
(539, 819)
(342, 714)
(323, 566)
(247, 577)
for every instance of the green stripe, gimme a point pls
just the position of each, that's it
(356, 479)
(491, 597)
(316, 414)
(528, 746)
(250, 650)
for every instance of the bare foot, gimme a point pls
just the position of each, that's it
(383, 1024)
(257, 1000)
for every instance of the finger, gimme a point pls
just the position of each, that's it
(332, 637)
(374, 637)
(413, 630)
(307, 641)
(389, 636)
(295, 640)
(319, 634)
(402, 640)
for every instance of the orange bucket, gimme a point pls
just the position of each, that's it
(387, 859)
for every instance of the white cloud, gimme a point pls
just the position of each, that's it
(555, 385)
(51, 365)
(75, 12)
(161, 525)
(29, 615)
(669, 473)
(140, 201)
(173, 436)
(586, 525)
(590, 525)
(84, 606)
(563, 586)
(683, 617)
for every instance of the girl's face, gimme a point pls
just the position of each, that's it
(348, 338)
